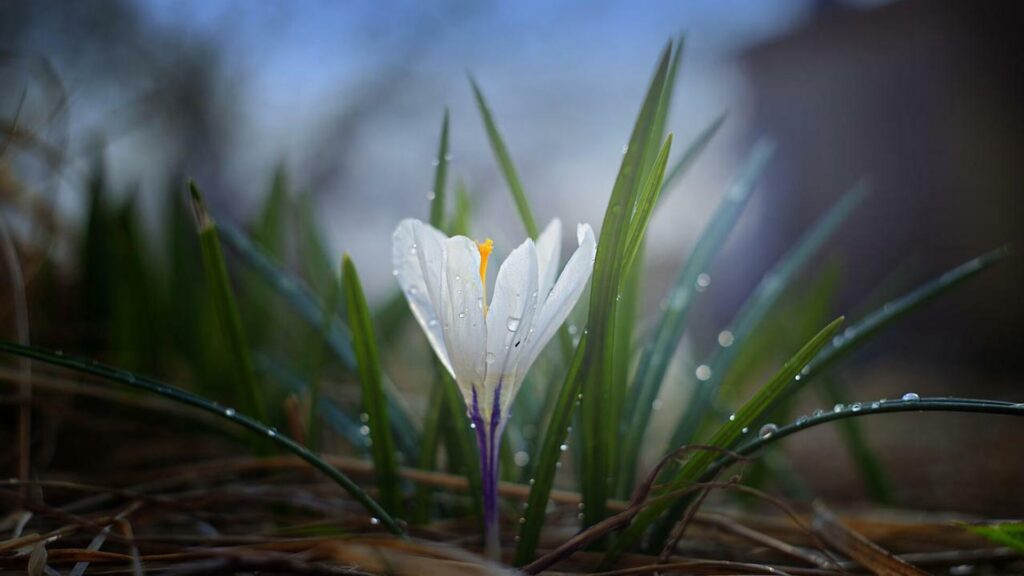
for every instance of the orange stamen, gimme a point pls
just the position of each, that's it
(485, 248)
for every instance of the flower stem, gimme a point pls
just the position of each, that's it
(488, 438)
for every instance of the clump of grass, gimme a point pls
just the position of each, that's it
(278, 337)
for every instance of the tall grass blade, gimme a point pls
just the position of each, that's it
(374, 402)
(726, 437)
(547, 459)
(439, 191)
(247, 387)
(505, 162)
(658, 352)
(312, 312)
(650, 191)
(762, 300)
(599, 413)
(188, 398)
(859, 333)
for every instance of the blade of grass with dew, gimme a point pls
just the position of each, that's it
(374, 402)
(547, 459)
(764, 297)
(881, 406)
(505, 162)
(311, 311)
(883, 317)
(247, 388)
(725, 437)
(628, 299)
(658, 352)
(188, 398)
(599, 415)
(650, 190)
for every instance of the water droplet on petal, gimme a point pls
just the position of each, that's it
(512, 323)
(563, 447)
(767, 430)
(732, 417)
(462, 314)
(744, 430)
(374, 520)
(364, 430)
(725, 338)
(703, 372)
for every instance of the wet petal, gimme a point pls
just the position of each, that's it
(417, 253)
(549, 250)
(510, 323)
(565, 293)
(462, 314)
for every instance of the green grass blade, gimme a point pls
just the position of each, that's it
(546, 459)
(247, 388)
(726, 436)
(439, 191)
(459, 223)
(658, 352)
(505, 162)
(185, 397)
(1010, 534)
(859, 333)
(270, 229)
(882, 406)
(650, 190)
(374, 401)
(311, 311)
(758, 304)
(599, 413)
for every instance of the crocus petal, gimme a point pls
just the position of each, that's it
(564, 294)
(510, 325)
(462, 313)
(417, 253)
(549, 249)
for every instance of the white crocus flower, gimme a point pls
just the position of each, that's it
(488, 345)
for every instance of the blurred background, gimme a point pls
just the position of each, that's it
(344, 100)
